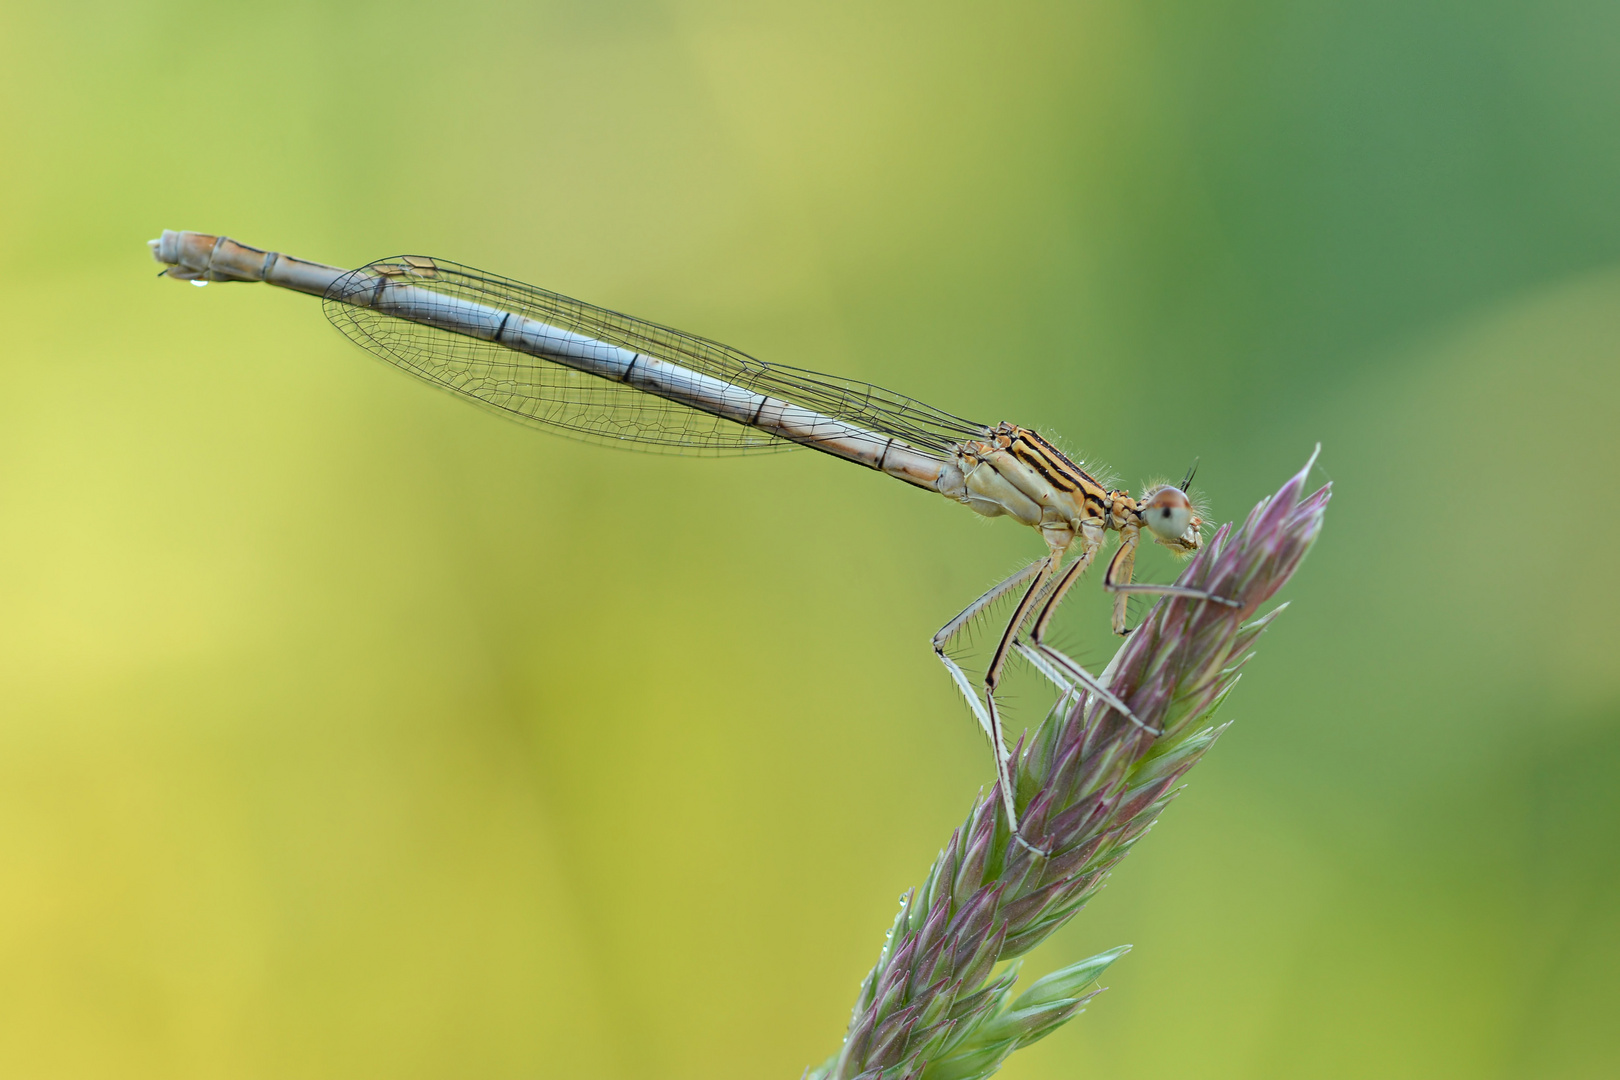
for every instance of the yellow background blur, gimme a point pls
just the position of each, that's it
(350, 732)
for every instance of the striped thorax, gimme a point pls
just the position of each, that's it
(1014, 472)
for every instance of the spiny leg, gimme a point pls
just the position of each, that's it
(1068, 687)
(1090, 541)
(1118, 582)
(991, 595)
(988, 719)
(1020, 615)
(1065, 673)
(950, 630)
(988, 715)
(1142, 589)
(992, 677)
(1118, 578)
(1044, 658)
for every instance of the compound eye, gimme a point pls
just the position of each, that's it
(1167, 514)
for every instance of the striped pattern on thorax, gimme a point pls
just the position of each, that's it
(1028, 448)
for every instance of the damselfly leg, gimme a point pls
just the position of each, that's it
(1046, 589)
(1047, 585)
(1118, 582)
(1058, 668)
(985, 711)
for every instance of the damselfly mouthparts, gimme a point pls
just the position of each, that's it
(593, 373)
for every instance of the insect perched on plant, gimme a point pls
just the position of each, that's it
(547, 360)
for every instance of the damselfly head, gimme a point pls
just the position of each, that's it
(1171, 518)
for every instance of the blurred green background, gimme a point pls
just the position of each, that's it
(350, 732)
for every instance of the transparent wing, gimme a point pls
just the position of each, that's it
(547, 394)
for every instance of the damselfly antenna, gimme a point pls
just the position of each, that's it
(1192, 471)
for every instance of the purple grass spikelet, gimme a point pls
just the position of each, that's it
(1088, 785)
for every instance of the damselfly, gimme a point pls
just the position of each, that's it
(592, 373)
